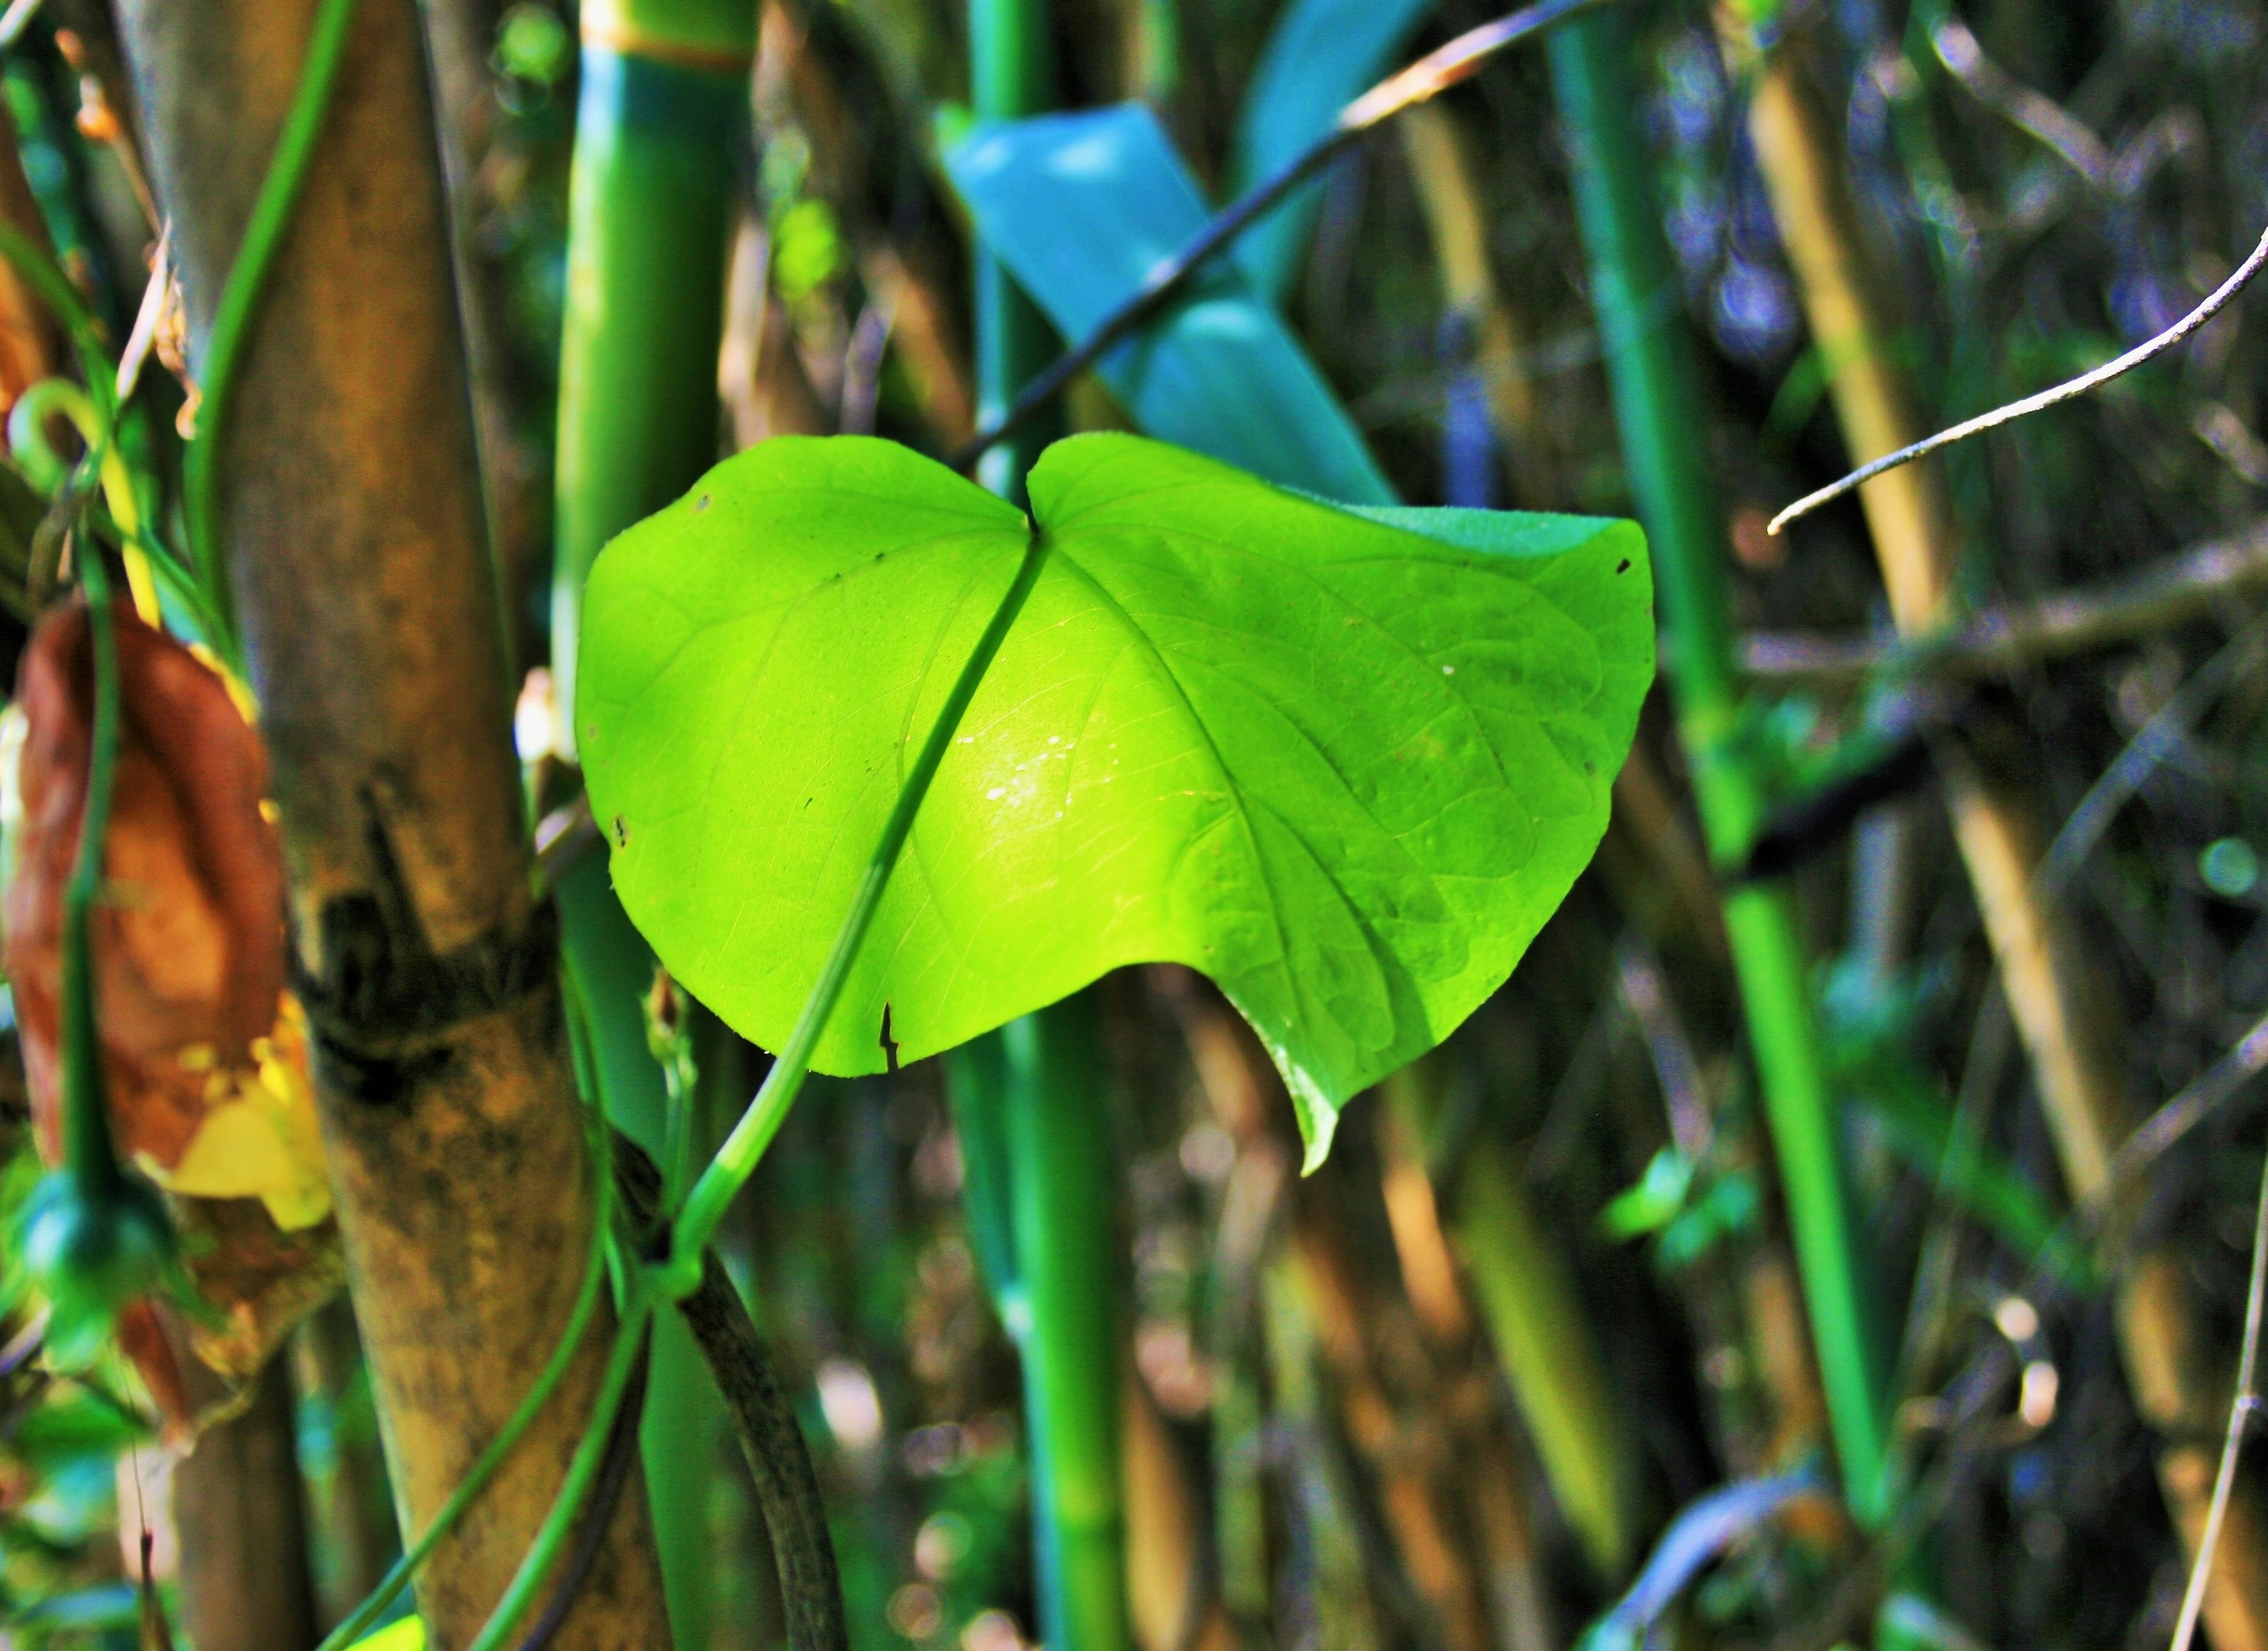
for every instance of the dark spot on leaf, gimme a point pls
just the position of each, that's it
(890, 1044)
(702, 503)
(1624, 567)
(621, 833)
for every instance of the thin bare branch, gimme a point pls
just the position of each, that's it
(2071, 390)
(15, 19)
(2159, 738)
(2202, 1096)
(1435, 72)
(2240, 1414)
(2028, 111)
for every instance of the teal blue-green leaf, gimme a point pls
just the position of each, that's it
(1345, 768)
(1082, 208)
(1320, 56)
(1654, 1201)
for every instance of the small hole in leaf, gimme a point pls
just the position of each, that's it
(702, 503)
(621, 833)
(1624, 566)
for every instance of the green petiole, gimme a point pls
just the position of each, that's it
(89, 1153)
(736, 1159)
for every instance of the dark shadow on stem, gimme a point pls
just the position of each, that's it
(787, 1489)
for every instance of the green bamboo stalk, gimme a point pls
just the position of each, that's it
(1652, 373)
(1026, 1099)
(664, 87)
(1025, 1102)
(1012, 74)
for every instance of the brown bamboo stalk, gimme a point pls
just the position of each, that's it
(1313, 1479)
(934, 358)
(1489, 1477)
(1494, 1276)
(1167, 1591)
(2174, 591)
(1404, 1461)
(2060, 1009)
(1407, 1465)
(1442, 168)
(1247, 1233)
(352, 518)
(246, 1584)
(760, 378)
(462, 35)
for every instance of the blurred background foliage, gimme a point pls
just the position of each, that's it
(1451, 1390)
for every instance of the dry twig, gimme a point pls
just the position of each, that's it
(1435, 72)
(2240, 1414)
(2221, 296)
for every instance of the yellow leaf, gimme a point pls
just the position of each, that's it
(259, 1139)
(409, 1634)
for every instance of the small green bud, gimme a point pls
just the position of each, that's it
(2230, 868)
(91, 1252)
(533, 44)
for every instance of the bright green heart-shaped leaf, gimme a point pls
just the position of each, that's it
(1344, 763)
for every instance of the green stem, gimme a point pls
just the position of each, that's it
(117, 510)
(1652, 373)
(558, 1527)
(736, 1159)
(664, 84)
(612, 969)
(239, 297)
(89, 1152)
(1026, 1098)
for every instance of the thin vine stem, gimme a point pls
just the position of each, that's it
(239, 297)
(89, 1152)
(2240, 1416)
(2070, 390)
(365, 1616)
(736, 1159)
(631, 1343)
(54, 289)
(614, 1472)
